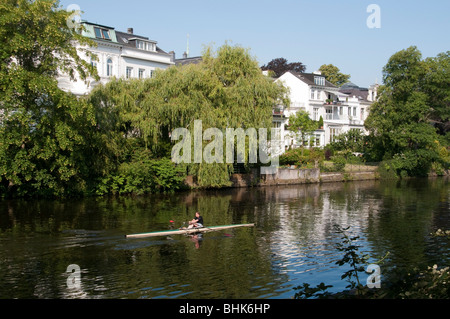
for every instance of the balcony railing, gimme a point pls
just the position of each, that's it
(338, 103)
(343, 118)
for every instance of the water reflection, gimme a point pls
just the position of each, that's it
(293, 242)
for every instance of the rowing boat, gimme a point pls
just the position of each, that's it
(187, 231)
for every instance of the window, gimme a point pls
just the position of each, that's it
(102, 33)
(140, 45)
(141, 73)
(129, 72)
(329, 114)
(313, 93)
(147, 46)
(98, 33)
(334, 132)
(319, 80)
(318, 95)
(316, 114)
(317, 140)
(106, 34)
(109, 68)
(354, 111)
(362, 114)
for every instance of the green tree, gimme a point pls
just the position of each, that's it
(334, 75)
(351, 141)
(225, 90)
(280, 66)
(399, 122)
(436, 85)
(302, 125)
(43, 130)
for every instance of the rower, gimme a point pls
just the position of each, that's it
(197, 222)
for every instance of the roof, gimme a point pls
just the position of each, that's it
(125, 37)
(353, 90)
(96, 24)
(308, 78)
(119, 37)
(185, 61)
(349, 85)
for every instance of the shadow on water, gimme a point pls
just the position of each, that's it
(293, 242)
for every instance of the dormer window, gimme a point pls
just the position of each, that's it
(144, 45)
(319, 80)
(102, 33)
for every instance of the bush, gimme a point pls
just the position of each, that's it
(143, 175)
(302, 157)
(339, 163)
(386, 170)
(328, 153)
(411, 163)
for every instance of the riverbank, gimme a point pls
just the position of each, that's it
(293, 176)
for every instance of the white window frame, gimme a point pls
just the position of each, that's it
(109, 67)
(319, 80)
(129, 72)
(141, 74)
(316, 114)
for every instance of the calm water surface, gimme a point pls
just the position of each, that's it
(294, 241)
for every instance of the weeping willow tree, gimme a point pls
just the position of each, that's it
(226, 90)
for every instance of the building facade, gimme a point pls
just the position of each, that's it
(119, 54)
(341, 109)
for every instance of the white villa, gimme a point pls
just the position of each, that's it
(120, 54)
(127, 55)
(341, 109)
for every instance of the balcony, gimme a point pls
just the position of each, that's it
(343, 118)
(278, 111)
(331, 103)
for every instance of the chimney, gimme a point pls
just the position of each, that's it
(130, 30)
(172, 56)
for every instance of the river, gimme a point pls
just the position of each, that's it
(293, 242)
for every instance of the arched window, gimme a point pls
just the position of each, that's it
(109, 67)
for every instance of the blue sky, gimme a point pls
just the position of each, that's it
(313, 32)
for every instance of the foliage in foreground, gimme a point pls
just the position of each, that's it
(431, 283)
